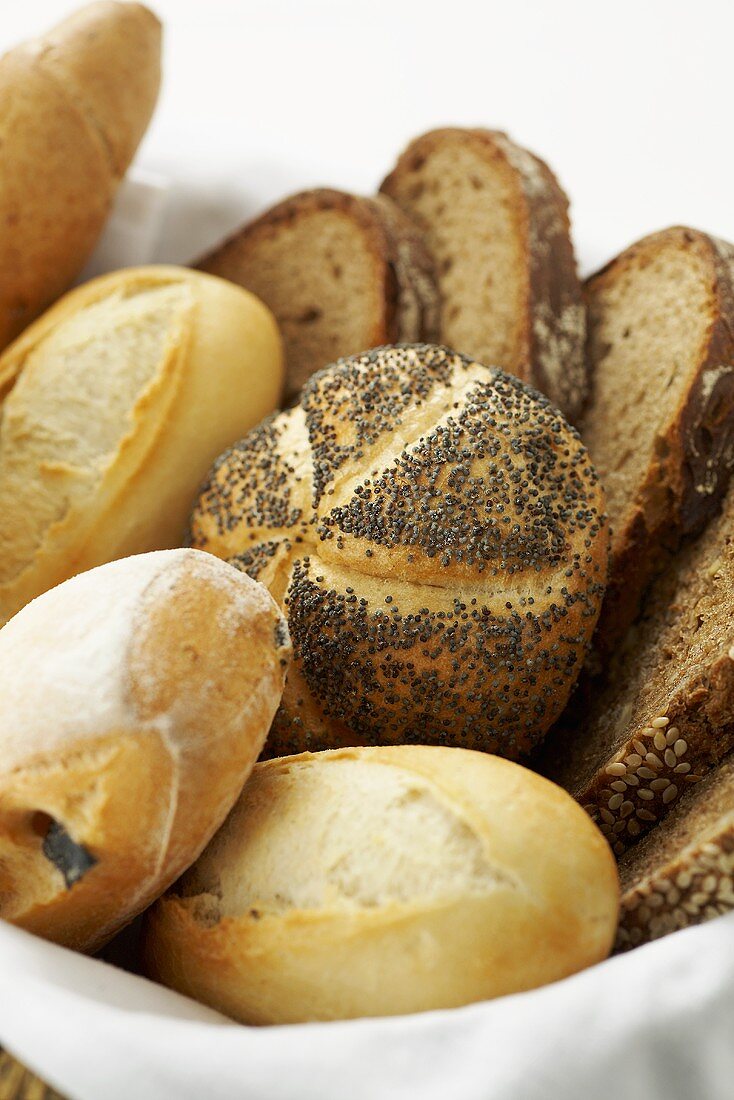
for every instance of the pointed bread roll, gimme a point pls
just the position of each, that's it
(134, 699)
(373, 882)
(118, 399)
(74, 105)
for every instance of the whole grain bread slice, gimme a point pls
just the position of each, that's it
(662, 715)
(660, 421)
(341, 274)
(496, 222)
(681, 873)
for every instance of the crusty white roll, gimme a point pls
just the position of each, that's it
(116, 402)
(435, 530)
(74, 105)
(134, 700)
(372, 882)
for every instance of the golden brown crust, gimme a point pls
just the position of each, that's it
(551, 353)
(536, 896)
(408, 301)
(436, 532)
(62, 157)
(135, 494)
(135, 700)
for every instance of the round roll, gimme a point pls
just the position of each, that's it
(436, 532)
(116, 402)
(134, 700)
(373, 882)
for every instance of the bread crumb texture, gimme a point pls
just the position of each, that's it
(341, 273)
(496, 222)
(435, 530)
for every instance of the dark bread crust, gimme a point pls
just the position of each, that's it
(554, 328)
(691, 466)
(402, 264)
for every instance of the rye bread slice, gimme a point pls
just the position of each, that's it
(496, 222)
(682, 873)
(660, 421)
(662, 715)
(341, 273)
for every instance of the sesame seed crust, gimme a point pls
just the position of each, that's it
(443, 536)
(683, 872)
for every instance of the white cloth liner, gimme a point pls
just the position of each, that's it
(657, 1022)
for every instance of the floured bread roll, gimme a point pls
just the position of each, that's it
(134, 699)
(112, 407)
(371, 882)
(435, 530)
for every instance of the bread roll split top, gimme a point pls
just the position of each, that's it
(134, 699)
(436, 532)
(381, 881)
(117, 400)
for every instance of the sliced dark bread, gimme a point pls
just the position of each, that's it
(662, 716)
(660, 421)
(496, 221)
(683, 872)
(341, 274)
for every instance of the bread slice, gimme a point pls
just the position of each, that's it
(660, 421)
(342, 274)
(681, 874)
(663, 714)
(496, 222)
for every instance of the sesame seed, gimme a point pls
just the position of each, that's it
(659, 741)
(659, 723)
(680, 747)
(670, 793)
(615, 769)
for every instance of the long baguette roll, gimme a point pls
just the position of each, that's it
(74, 105)
(118, 399)
(134, 699)
(382, 881)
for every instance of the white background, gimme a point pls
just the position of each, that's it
(629, 101)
